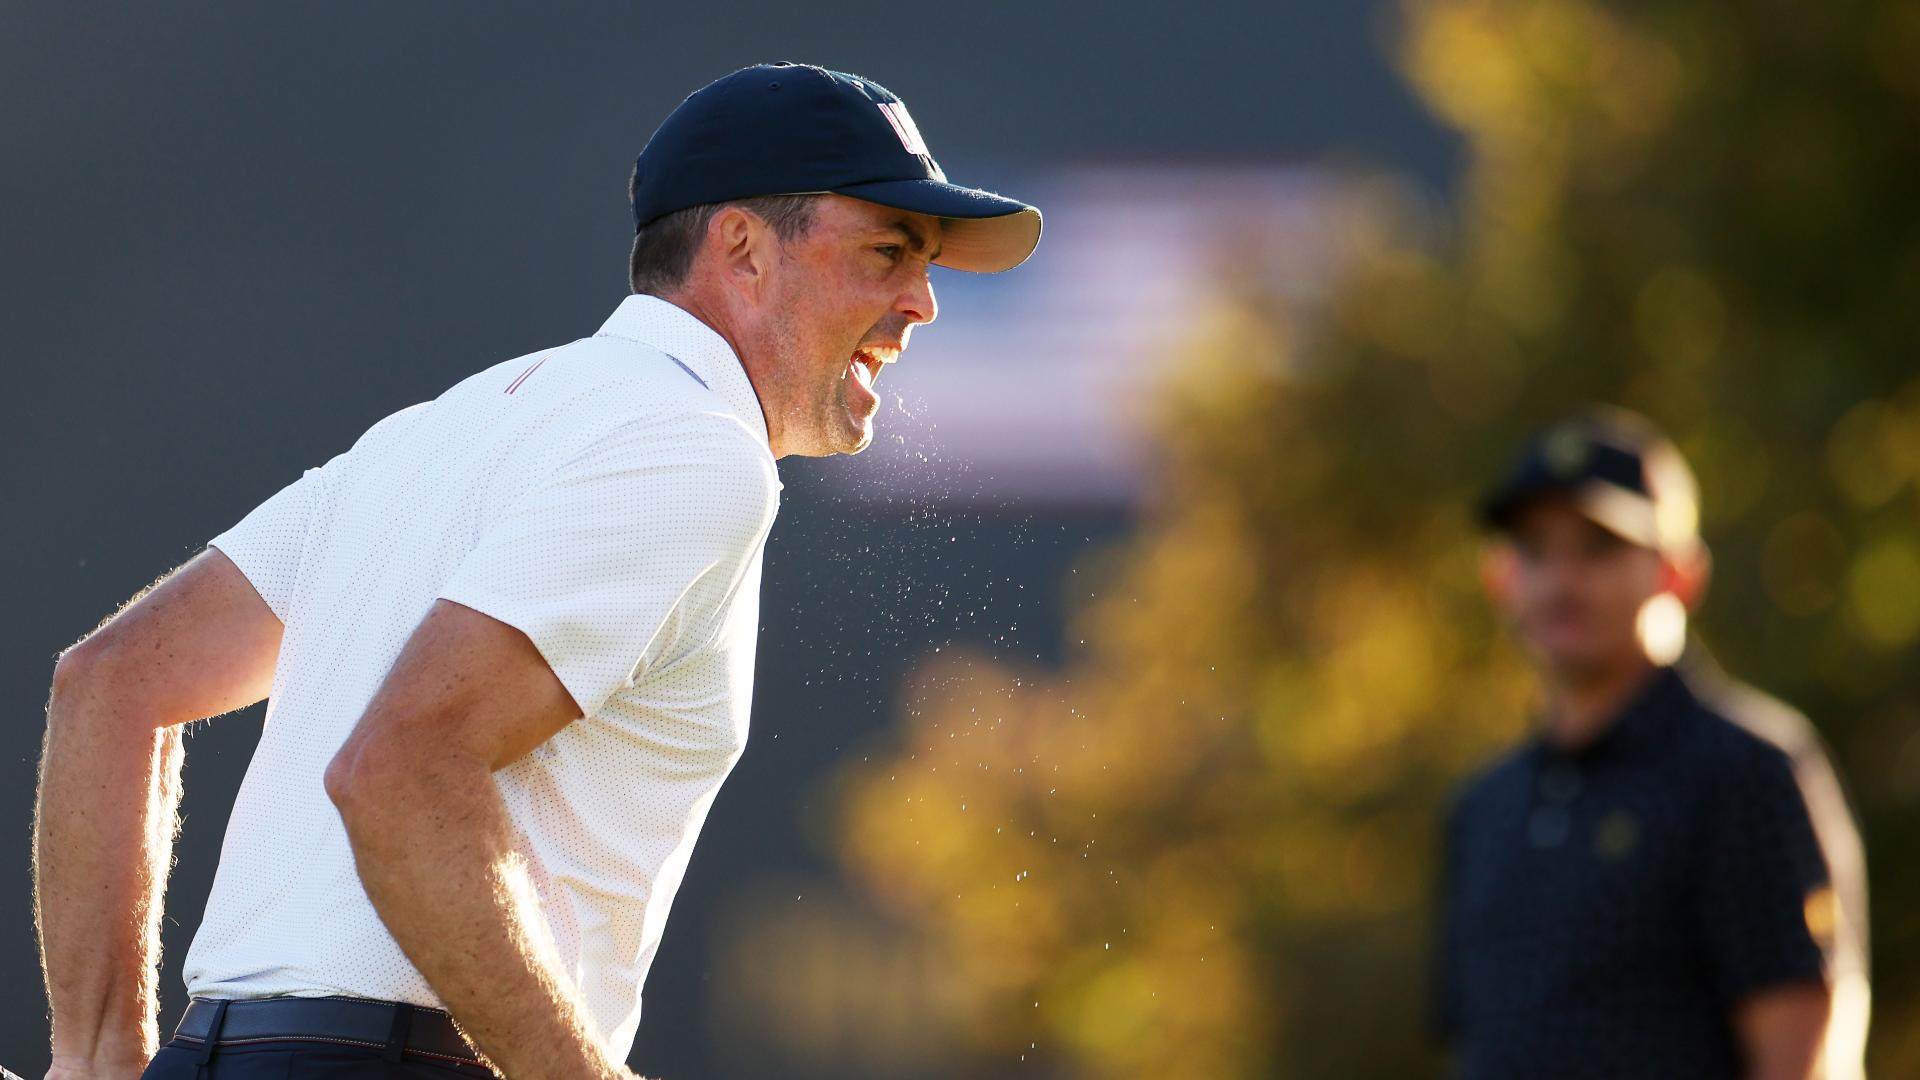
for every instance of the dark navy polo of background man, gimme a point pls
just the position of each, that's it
(1604, 910)
(1607, 908)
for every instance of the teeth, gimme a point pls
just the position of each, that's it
(868, 362)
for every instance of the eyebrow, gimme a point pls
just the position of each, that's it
(916, 239)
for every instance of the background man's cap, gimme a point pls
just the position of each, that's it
(1615, 467)
(790, 129)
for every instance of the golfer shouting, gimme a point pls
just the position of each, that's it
(506, 639)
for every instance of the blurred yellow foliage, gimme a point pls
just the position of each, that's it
(1203, 848)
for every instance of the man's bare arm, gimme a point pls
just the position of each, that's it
(433, 844)
(199, 643)
(1783, 1030)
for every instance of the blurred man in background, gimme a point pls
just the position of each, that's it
(1665, 881)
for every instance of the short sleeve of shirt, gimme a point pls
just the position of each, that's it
(1763, 881)
(268, 544)
(595, 561)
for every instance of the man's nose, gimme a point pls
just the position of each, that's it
(917, 303)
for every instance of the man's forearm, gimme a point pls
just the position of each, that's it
(1782, 1031)
(103, 837)
(434, 853)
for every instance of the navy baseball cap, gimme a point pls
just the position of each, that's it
(1616, 468)
(791, 129)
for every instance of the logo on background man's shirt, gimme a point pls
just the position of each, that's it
(1617, 836)
(1823, 915)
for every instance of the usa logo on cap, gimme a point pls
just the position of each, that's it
(909, 132)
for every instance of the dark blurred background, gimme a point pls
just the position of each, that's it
(1104, 708)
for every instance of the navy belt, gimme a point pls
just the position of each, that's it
(374, 1025)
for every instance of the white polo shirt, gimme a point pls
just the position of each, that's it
(609, 498)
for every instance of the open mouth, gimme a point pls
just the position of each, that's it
(868, 360)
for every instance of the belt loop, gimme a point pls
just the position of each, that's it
(397, 1038)
(213, 1032)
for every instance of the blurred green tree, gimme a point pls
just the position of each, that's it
(1204, 847)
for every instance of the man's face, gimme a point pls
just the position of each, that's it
(1572, 591)
(844, 298)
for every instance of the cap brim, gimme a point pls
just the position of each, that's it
(984, 232)
(1626, 514)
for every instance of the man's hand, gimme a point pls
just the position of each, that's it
(199, 643)
(434, 847)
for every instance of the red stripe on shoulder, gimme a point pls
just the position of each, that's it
(523, 375)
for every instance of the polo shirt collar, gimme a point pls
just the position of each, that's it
(699, 348)
(1641, 722)
(1651, 713)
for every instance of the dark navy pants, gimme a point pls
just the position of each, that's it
(182, 1060)
(295, 1059)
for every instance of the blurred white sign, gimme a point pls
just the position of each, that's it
(1033, 384)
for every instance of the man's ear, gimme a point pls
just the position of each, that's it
(1497, 567)
(743, 248)
(1686, 574)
